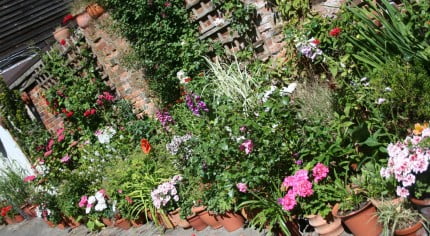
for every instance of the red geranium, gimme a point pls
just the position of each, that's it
(67, 18)
(90, 112)
(316, 41)
(5, 210)
(335, 32)
(146, 147)
(63, 42)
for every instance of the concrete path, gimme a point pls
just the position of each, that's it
(36, 227)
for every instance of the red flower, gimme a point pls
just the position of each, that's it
(146, 147)
(90, 112)
(316, 41)
(67, 18)
(5, 210)
(69, 114)
(335, 32)
(167, 4)
(186, 80)
(29, 178)
(63, 42)
(93, 111)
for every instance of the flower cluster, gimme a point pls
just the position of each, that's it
(309, 48)
(162, 195)
(104, 135)
(5, 210)
(407, 159)
(88, 202)
(173, 146)
(247, 146)
(164, 117)
(299, 184)
(195, 104)
(104, 97)
(90, 112)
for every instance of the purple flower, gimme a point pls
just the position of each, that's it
(247, 146)
(299, 162)
(195, 104)
(165, 118)
(242, 187)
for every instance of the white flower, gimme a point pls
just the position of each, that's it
(181, 74)
(218, 22)
(363, 79)
(99, 196)
(91, 200)
(88, 209)
(176, 198)
(388, 89)
(287, 90)
(100, 206)
(380, 101)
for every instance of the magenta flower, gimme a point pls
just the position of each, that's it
(319, 172)
(60, 137)
(242, 187)
(83, 201)
(288, 202)
(29, 178)
(65, 159)
(50, 145)
(247, 146)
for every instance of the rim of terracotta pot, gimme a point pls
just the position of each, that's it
(424, 202)
(335, 210)
(411, 229)
(198, 209)
(61, 29)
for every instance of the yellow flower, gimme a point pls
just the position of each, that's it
(418, 128)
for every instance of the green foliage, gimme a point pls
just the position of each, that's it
(404, 32)
(13, 189)
(293, 10)
(406, 90)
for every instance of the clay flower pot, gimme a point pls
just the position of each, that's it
(138, 222)
(18, 218)
(322, 227)
(61, 33)
(95, 10)
(197, 223)
(177, 221)
(414, 230)
(231, 221)
(72, 222)
(423, 206)
(29, 210)
(108, 222)
(9, 220)
(210, 219)
(83, 20)
(123, 224)
(362, 222)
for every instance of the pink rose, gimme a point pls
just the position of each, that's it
(242, 187)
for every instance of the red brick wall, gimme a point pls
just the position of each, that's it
(52, 122)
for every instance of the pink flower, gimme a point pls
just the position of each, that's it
(303, 189)
(319, 172)
(83, 201)
(119, 190)
(29, 178)
(65, 159)
(51, 143)
(48, 153)
(242, 187)
(402, 192)
(243, 129)
(60, 138)
(288, 202)
(102, 191)
(247, 146)
(60, 131)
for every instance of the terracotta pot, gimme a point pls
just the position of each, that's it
(362, 222)
(9, 220)
(18, 218)
(198, 209)
(415, 230)
(123, 224)
(108, 222)
(138, 222)
(83, 20)
(50, 223)
(72, 222)
(322, 227)
(62, 225)
(231, 221)
(197, 223)
(61, 33)
(210, 219)
(423, 206)
(177, 221)
(95, 10)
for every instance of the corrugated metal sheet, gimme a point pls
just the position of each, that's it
(26, 23)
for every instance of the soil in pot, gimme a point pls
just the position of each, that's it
(415, 230)
(197, 223)
(231, 221)
(210, 219)
(362, 222)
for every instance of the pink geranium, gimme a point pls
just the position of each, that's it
(83, 201)
(247, 146)
(48, 153)
(320, 171)
(65, 159)
(51, 143)
(288, 202)
(242, 187)
(29, 178)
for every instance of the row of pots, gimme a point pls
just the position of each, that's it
(92, 11)
(362, 222)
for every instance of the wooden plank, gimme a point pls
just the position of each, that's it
(25, 13)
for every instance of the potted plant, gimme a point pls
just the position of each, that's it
(95, 10)
(400, 219)
(412, 152)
